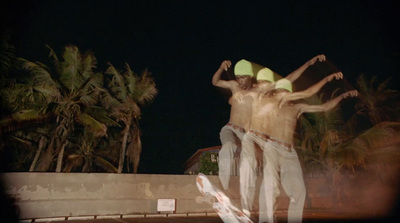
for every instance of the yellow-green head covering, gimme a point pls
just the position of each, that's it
(284, 84)
(266, 74)
(245, 67)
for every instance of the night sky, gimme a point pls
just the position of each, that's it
(184, 42)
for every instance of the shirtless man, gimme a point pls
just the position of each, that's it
(265, 83)
(231, 134)
(276, 140)
(241, 104)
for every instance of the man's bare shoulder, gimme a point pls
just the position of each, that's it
(233, 85)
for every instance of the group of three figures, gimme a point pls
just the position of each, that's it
(263, 118)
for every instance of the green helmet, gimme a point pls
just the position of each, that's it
(284, 84)
(245, 67)
(266, 74)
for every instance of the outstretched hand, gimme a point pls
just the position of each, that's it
(320, 58)
(353, 93)
(337, 76)
(225, 65)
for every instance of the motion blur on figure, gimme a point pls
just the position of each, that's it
(304, 128)
(231, 134)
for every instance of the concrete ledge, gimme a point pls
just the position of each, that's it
(156, 215)
(133, 216)
(44, 195)
(82, 196)
(108, 217)
(81, 218)
(177, 215)
(197, 214)
(49, 219)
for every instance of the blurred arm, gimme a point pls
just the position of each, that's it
(296, 74)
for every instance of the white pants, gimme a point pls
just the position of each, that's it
(280, 164)
(247, 172)
(231, 136)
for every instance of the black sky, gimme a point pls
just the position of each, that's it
(183, 43)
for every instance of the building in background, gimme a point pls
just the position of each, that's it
(203, 160)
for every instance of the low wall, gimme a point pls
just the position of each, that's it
(41, 195)
(44, 195)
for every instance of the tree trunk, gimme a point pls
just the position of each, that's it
(60, 158)
(137, 150)
(37, 155)
(123, 149)
(47, 157)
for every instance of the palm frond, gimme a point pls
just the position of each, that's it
(88, 63)
(89, 99)
(7, 56)
(378, 134)
(22, 140)
(382, 87)
(117, 84)
(308, 134)
(350, 156)
(91, 90)
(362, 83)
(102, 115)
(27, 115)
(105, 165)
(145, 89)
(41, 75)
(359, 150)
(70, 76)
(96, 127)
(311, 162)
(131, 79)
(54, 56)
(73, 161)
(50, 93)
(108, 101)
(384, 156)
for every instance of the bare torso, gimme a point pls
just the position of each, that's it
(268, 118)
(241, 108)
(284, 123)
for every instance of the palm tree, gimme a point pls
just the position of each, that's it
(375, 99)
(21, 107)
(41, 144)
(375, 147)
(68, 90)
(63, 98)
(127, 93)
(333, 147)
(7, 61)
(318, 133)
(88, 156)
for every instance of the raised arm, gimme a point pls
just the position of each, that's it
(311, 90)
(216, 79)
(296, 74)
(327, 105)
